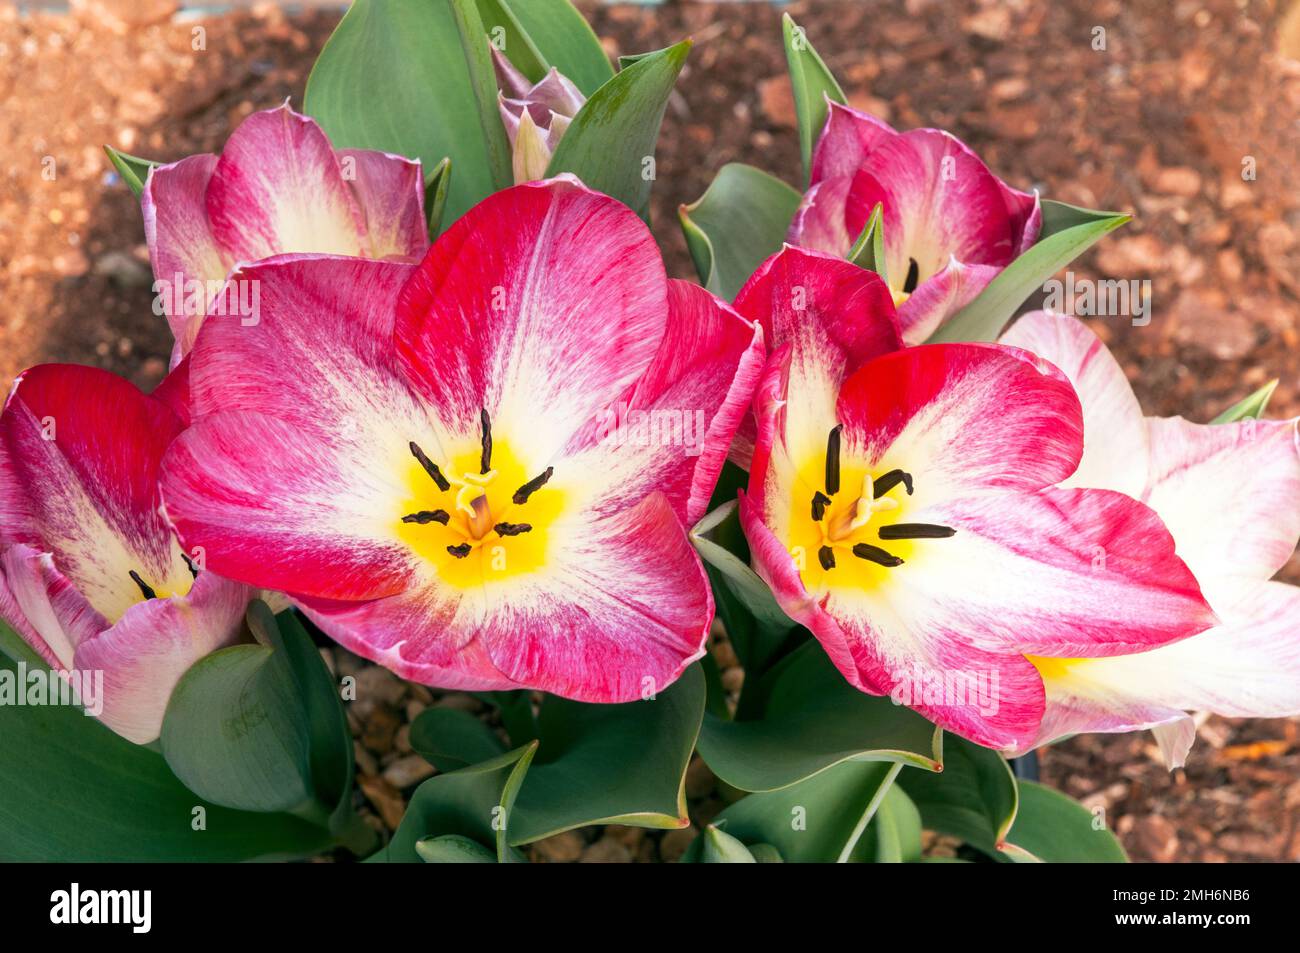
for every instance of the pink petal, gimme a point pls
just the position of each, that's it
(821, 221)
(390, 192)
(1227, 492)
(174, 391)
(278, 188)
(943, 295)
(43, 607)
(846, 141)
(1115, 445)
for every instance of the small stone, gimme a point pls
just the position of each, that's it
(123, 270)
(1157, 838)
(700, 781)
(385, 799)
(607, 850)
(1177, 180)
(776, 99)
(380, 730)
(366, 763)
(563, 848)
(408, 772)
(674, 844)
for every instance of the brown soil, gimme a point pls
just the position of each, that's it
(1159, 124)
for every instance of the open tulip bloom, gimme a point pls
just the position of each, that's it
(1230, 495)
(950, 225)
(903, 506)
(476, 471)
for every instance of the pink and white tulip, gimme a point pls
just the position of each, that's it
(478, 471)
(1230, 495)
(902, 506)
(536, 115)
(278, 187)
(950, 225)
(91, 575)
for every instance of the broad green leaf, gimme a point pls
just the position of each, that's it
(516, 714)
(415, 77)
(740, 220)
(611, 764)
(133, 170)
(476, 802)
(1052, 827)
(436, 182)
(1067, 233)
(453, 849)
(974, 798)
(813, 86)
(894, 834)
(72, 790)
(260, 727)
(539, 34)
(610, 144)
(869, 250)
(719, 847)
(1252, 406)
(450, 739)
(813, 720)
(817, 820)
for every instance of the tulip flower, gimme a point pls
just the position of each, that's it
(278, 187)
(91, 575)
(536, 115)
(902, 506)
(1230, 495)
(476, 472)
(950, 225)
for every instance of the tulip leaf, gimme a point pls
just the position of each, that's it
(869, 250)
(72, 790)
(740, 220)
(819, 819)
(611, 764)
(538, 34)
(814, 88)
(719, 847)
(436, 182)
(1249, 407)
(453, 849)
(415, 77)
(476, 802)
(260, 727)
(610, 144)
(133, 170)
(975, 797)
(1066, 234)
(894, 834)
(812, 721)
(1052, 827)
(450, 739)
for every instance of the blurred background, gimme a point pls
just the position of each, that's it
(1159, 123)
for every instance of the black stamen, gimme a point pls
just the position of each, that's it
(430, 468)
(485, 462)
(819, 504)
(461, 551)
(913, 276)
(144, 586)
(884, 484)
(833, 460)
(876, 555)
(826, 556)
(427, 516)
(916, 531)
(532, 486)
(189, 564)
(512, 529)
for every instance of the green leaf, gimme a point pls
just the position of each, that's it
(72, 790)
(814, 720)
(260, 727)
(615, 132)
(415, 77)
(611, 764)
(819, 819)
(453, 849)
(436, 182)
(740, 220)
(869, 250)
(476, 803)
(450, 739)
(1067, 233)
(721, 848)
(1052, 827)
(894, 835)
(974, 798)
(540, 34)
(813, 85)
(133, 170)
(1250, 407)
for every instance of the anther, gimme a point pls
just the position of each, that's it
(833, 460)
(461, 551)
(430, 468)
(512, 529)
(876, 555)
(427, 516)
(532, 486)
(485, 461)
(826, 556)
(189, 564)
(916, 531)
(819, 503)
(890, 480)
(144, 586)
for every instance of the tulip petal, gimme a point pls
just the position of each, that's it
(1115, 444)
(848, 138)
(947, 292)
(1227, 492)
(43, 607)
(821, 221)
(390, 193)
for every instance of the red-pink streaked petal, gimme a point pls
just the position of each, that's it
(1228, 492)
(846, 141)
(174, 391)
(943, 295)
(43, 607)
(821, 223)
(543, 304)
(390, 192)
(1115, 444)
(278, 188)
